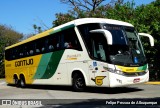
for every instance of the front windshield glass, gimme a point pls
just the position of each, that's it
(126, 48)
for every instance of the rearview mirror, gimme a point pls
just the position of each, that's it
(151, 39)
(106, 33)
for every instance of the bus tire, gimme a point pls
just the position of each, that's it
(78, 82)
(22, 82)
(15, 80)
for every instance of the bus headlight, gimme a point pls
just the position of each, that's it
(111, 70)
(115, 71)
(119, 72)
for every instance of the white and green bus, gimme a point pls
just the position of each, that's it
(84, 52)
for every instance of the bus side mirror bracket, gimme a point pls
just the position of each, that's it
(151, 39)
(106, 33)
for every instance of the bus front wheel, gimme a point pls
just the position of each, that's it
(78, 82)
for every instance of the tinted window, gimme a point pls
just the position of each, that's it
(86, 35)
(66, 39)
(117, 34)
(99, 47)
(69, 40)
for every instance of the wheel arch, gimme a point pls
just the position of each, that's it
(79, 71)
(21, 75)
(15, 75)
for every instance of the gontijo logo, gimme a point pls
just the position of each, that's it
(98, 80)
(24, 62)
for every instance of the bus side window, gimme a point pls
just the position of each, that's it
(8, 54)
(13, 54)
(16, 53)
(21, 52)
(70, 39)
(51, 47)
(37, 51)
(43, 49)
(39, 44)
(47, 45)
(52, 42)
(58, 41)
(32, 48)
(31, 52)
(43, 45)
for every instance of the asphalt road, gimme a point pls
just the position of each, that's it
(63, 97)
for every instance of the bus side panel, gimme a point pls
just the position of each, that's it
(25, 66)
(8, 76)
(54, 70)
(9, 71)
(76, 61)
(99, 76)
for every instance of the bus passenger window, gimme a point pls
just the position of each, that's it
(43, 49)
(49, 44)
(70, 40)
(51, 47)
(21, 54)
(57, 45)
(37, 51)
(31, 52)
(68, 45)
(13, 53)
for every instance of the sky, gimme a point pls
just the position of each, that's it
(22, 14)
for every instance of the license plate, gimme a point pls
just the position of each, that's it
(136, 80)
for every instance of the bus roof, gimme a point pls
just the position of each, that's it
(100, 20)
(69, 24)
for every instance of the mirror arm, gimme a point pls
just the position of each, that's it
(106, 33)
(149, 36)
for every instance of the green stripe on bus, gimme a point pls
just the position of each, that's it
(53, 64)
(61, 29)
(42, 65)
(55, 31)
(67, 27)
(143, 67)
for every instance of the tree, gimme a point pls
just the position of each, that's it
(80, 9)
(149, 21)
(85, 5)
(37, 29)
(83, 9)
(8, 36)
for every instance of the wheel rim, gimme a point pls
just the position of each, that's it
(22, 83)
(80, 83)
(15, 81)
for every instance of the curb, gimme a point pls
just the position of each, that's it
(154, 83)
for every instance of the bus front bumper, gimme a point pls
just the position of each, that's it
(117, 80)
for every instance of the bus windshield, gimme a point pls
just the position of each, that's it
(126, 48)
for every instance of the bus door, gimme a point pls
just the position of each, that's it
(97, 65)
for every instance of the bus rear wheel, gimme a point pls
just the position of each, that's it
(22, 82)
(78, 82)
(15, 80)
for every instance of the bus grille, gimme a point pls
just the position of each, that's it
(134, 74)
